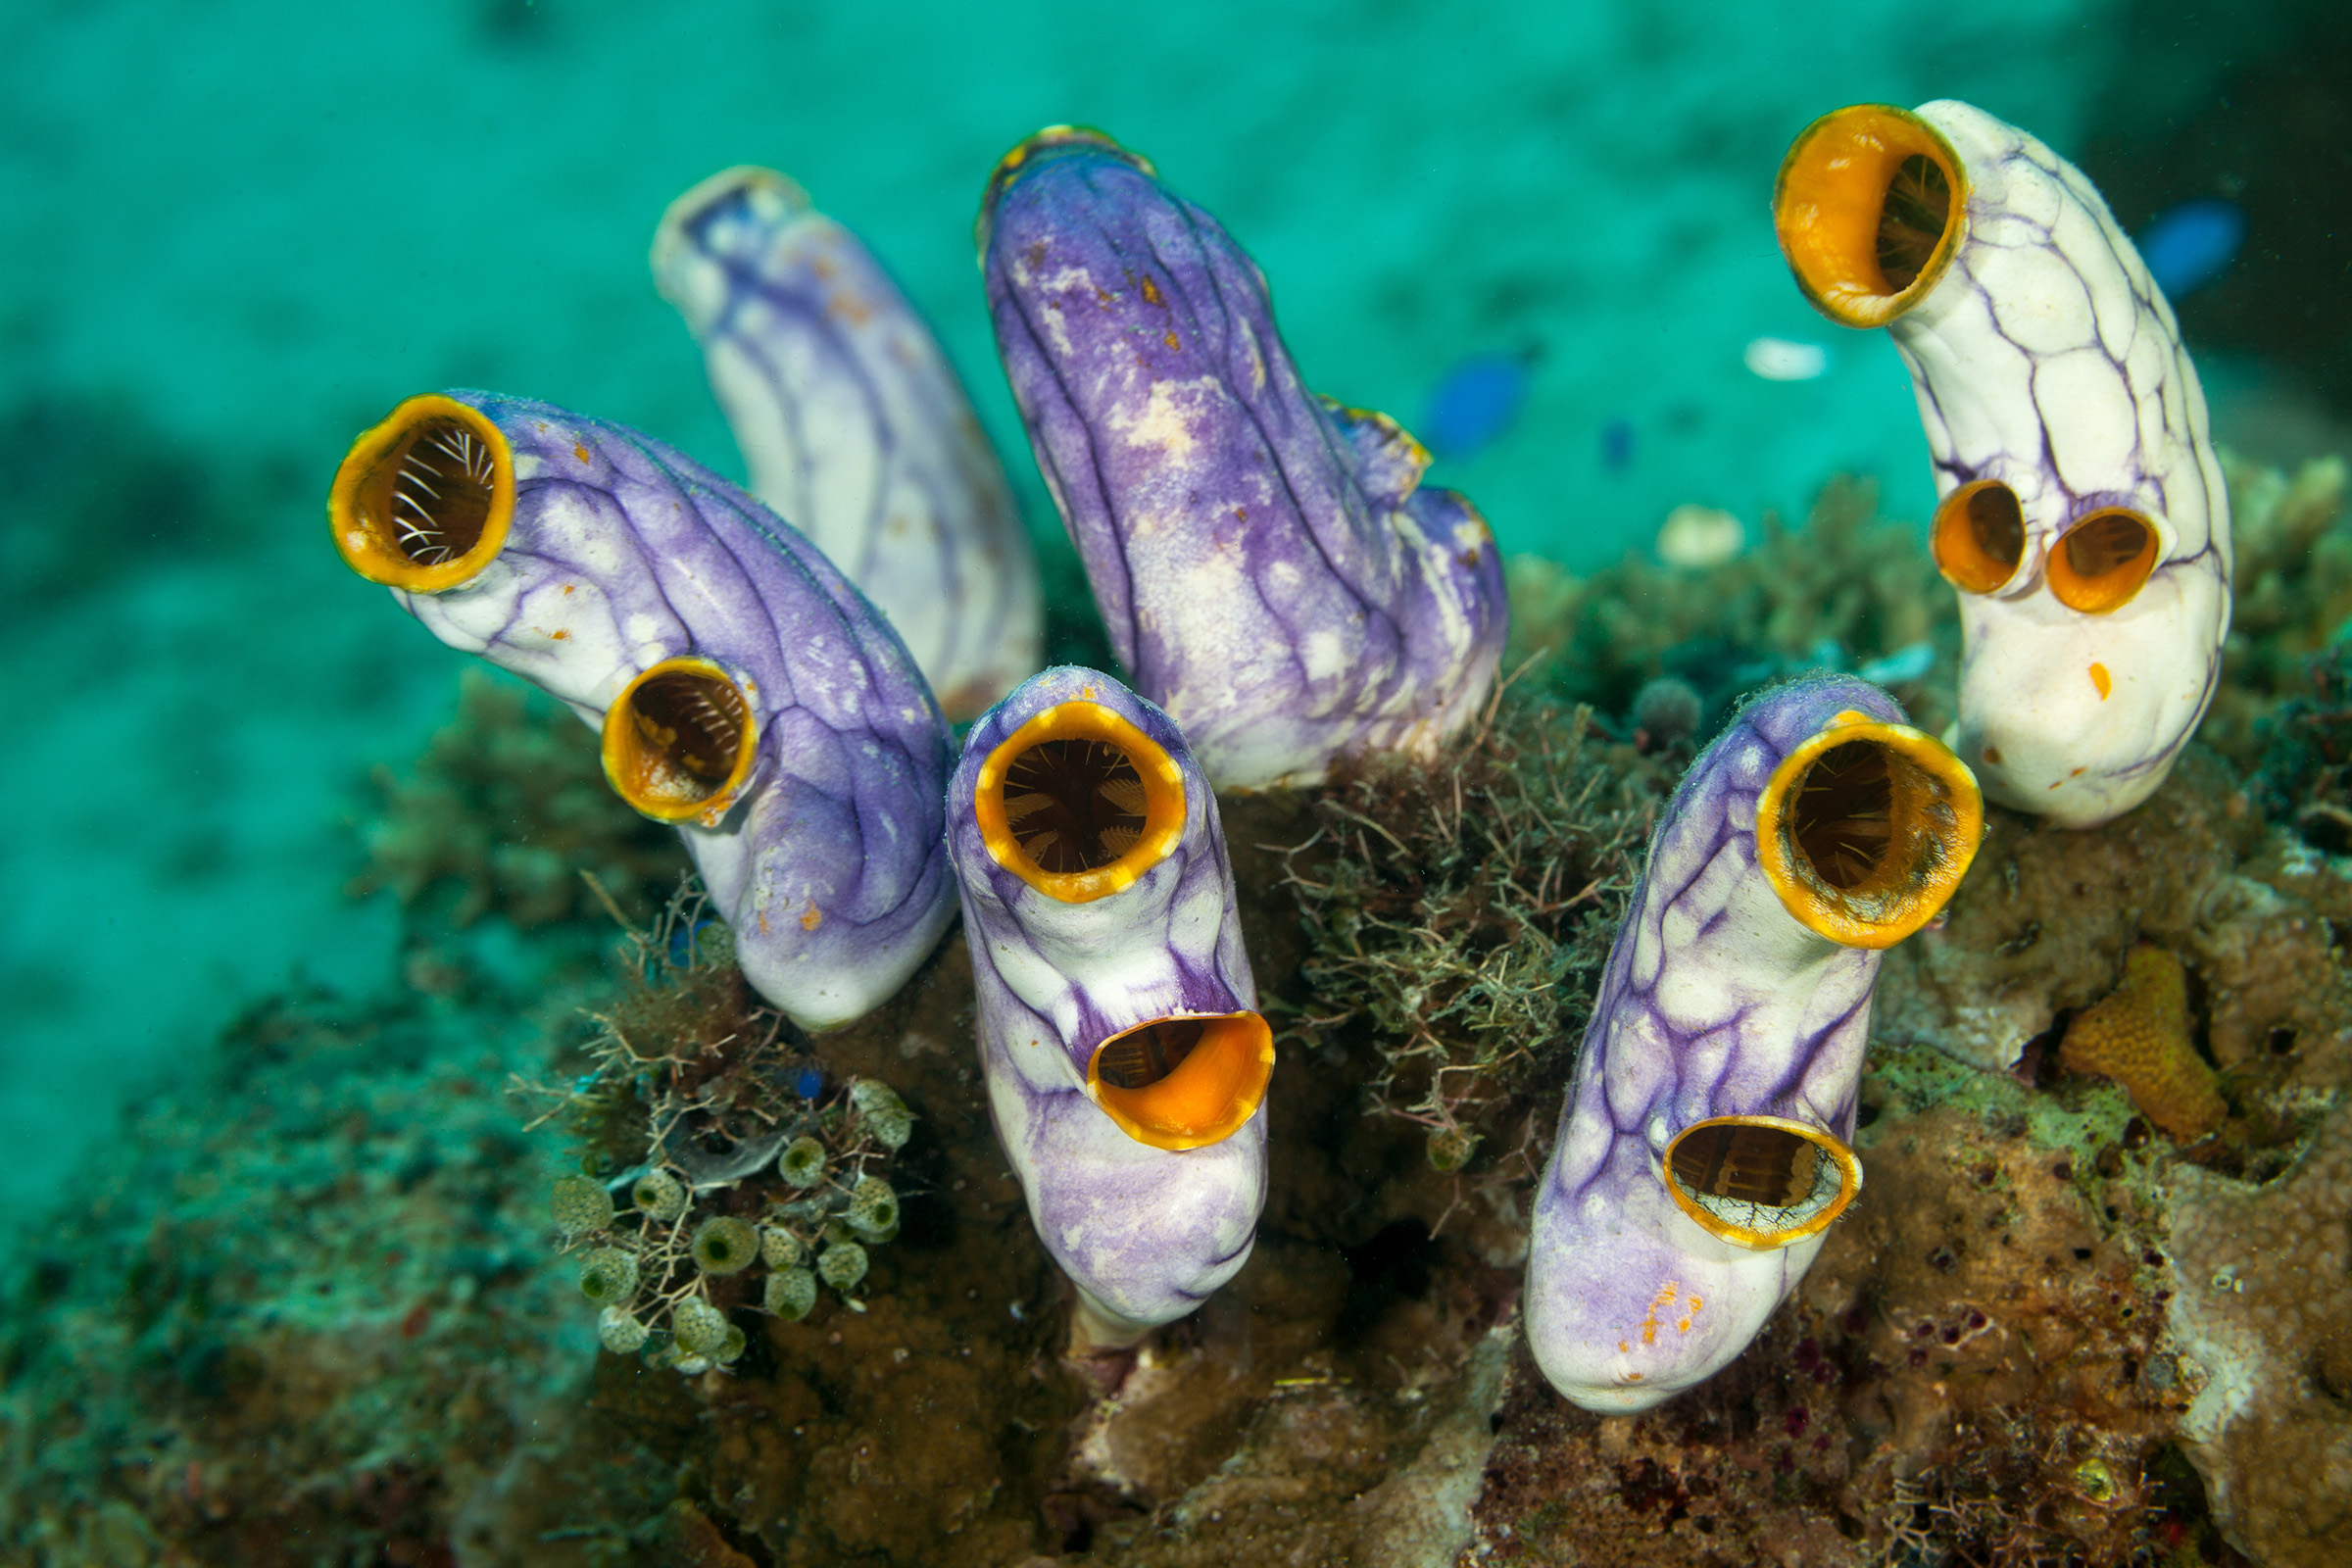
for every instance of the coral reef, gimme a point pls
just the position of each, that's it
(300, 1309)
(2139, 1036)
(2011, 1349)
(2293, 594)
(1842, 590)
(501, 813)
(2265, 1307)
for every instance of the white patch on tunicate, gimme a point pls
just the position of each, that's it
(1194, 922)
(528, 465)
(2088, 418)
(2038, 299)
(1162, 423)
(1659, 1135)
(1324, 655)
(2004, 229)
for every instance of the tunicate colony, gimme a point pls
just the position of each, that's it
(1284, 594)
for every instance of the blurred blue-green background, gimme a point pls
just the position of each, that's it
(233, 232)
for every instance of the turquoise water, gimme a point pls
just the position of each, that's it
(231, 235)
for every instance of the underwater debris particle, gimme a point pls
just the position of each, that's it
(2139, 1036)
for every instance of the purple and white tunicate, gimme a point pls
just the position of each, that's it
(1707, 1141)
(1268, 564)
(745, 690)
(2084, 516)
(1118, 1026)
(854, 427)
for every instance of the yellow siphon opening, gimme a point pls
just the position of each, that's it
(1184, 1082)
(1866, 829)
(1978, 536)
(1870, 205)
(680, 741)
(1078, 802)
(422, 502)
(2101, 562)
(1760, 1182)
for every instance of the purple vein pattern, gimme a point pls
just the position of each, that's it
(1716, 1002)
(625, 553)
(2047, 358)
(1146, 1234)
(854, 426)
(1267, 565)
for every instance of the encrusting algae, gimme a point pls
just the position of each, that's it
(2139, 1036)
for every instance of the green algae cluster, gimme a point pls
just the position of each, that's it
(1459, 912)
(745, 1181)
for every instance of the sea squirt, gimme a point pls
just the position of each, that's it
(2084, 519)
(1118, 1027)
(1708, 1142)
(854, 427)
(1269, 568)
(745, 690)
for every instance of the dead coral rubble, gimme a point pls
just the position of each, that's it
(1841, 589)
(2264, 1314)
(298, 1312)
(504, 810)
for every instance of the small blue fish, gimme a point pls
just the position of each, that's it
(1617, 444)
(682, 939)
(2191, 245)
(1475, 403)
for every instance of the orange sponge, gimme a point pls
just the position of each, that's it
(2139, 1036)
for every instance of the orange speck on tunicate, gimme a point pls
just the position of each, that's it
(1624, 1349)
(1169, 338)
(1151, 293)
(2099, 678)
(812, 919)
(2139, 1036)
(1993, 755)
(557, 635)
(580, 450)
